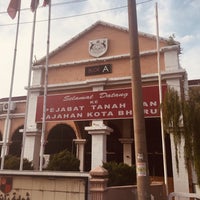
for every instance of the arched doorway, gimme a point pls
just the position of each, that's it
(60, 137)
(154, 147)
(16, 143)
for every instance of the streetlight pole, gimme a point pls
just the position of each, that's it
(143, 183)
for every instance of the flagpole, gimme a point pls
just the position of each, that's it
(45, 90)
(160, 99)
(7, 121)
(28, 90)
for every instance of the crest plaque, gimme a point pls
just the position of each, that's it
(98, 47)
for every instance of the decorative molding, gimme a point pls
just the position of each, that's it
(107, 58)
(167, 75)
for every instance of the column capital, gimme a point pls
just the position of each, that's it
(126, 140)
(99, 130)
(7, 143)
(79, 141)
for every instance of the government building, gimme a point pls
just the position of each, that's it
(89, 103)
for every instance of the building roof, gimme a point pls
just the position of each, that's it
(17, 98)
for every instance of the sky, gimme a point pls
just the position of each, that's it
(70, 17)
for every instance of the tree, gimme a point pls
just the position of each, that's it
(120, 174)
(13, 163)
(182, 119)
(191, 117)
(63, 161)
(172, 118)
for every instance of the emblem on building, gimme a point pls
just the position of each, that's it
(98, 47)
(5, 184)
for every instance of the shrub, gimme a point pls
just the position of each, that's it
(63, 161)
(13, 162)
(120, 174)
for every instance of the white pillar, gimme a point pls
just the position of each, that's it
(80, 148)
(181, 180)
(32, 147)
(99, 134)
(33, 132)
(6, 136)
(127, 150)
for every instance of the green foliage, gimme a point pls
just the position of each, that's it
(182, 119)
(120, 174)
(13, 162)
(63, 161)
(191, 116)
(172, 119)
(171, 40)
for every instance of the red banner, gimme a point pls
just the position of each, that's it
(107, 104)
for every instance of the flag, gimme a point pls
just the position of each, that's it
(45, 3)
(13, 7)
(34, 5)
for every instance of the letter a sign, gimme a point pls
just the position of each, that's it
(5, 184)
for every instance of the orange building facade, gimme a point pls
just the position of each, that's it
(88, 102)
